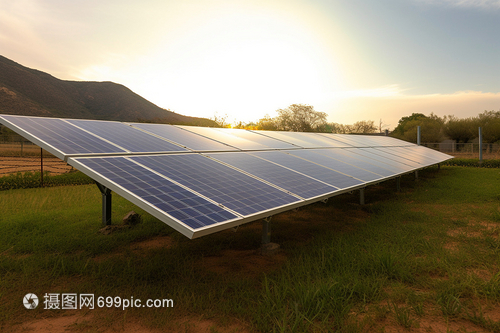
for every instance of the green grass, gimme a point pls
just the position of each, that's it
(431, 250)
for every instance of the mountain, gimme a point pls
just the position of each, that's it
(29, 92)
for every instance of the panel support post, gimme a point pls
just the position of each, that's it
(398, 184)
(41, 167)
(106, 204)
(266, 231)
(416, 174)
(362, 196)
(480, 146)
(418, 135)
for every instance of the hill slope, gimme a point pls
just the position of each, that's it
(26, 91)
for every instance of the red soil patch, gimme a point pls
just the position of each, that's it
(141, 247)
(242, 262)
(90, 323)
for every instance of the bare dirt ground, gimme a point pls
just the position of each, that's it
(12, 164)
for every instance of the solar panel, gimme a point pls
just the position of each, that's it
(58, 136)
(324, 174)
(231, 188)
(183, 137)
(126, 136)
(202, 180)
(299, 184)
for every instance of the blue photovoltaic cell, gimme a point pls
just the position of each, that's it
(126, 136)
(308, 168)
(327, 160)
(63, 136)
(185, 138)
(289, 180)
(224, 185)
(168, 197)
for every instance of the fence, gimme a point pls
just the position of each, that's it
(18, 146)
(466, 150)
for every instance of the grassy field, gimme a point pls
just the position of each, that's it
(426, 259)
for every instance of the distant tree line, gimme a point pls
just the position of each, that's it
(303, 118)
(436, 129)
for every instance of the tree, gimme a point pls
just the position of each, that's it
(432, 128)
(461, 130)
(489, 121)
(341, 128)
(221, 120)
(359, 127)
(267, 123)
(364, 127)
(399, 131)
(300, 118)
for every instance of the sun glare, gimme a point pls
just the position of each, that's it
(244, 62)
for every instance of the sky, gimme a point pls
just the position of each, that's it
(352, 59)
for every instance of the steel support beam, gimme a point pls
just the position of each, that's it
(398, 184)
(106, 204)
(362, 196)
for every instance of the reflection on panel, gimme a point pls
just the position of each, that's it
(331, 161)
(313, 170)
(226, 138)
(301, 185)
(126, 136)
(183, 137)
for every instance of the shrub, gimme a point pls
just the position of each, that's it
(471, 162)
(31, 180)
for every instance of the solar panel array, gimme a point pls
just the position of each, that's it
(201, 180)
